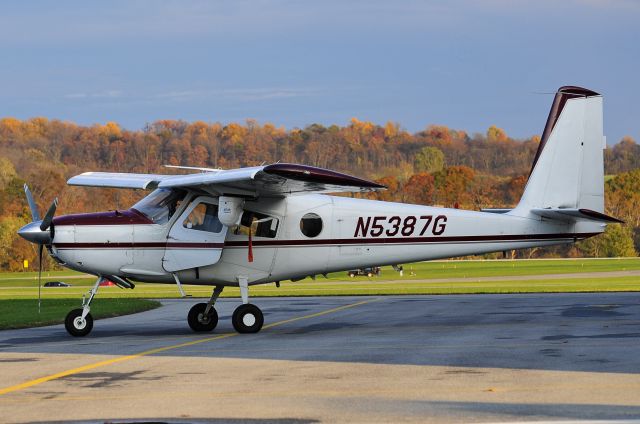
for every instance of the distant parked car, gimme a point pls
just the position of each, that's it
(56, 284)
(369, 272)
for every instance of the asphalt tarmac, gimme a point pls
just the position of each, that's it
(465, 358)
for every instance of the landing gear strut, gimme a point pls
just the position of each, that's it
(203, 316)
(247, 318)
(79, 322)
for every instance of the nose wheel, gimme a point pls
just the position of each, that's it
(79, 322)
(202, 320)
(77, 325)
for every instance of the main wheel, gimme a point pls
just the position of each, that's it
(198, 321)
(76, 326)
(247, 319)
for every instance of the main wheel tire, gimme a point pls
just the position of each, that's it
(76, 326)
(198, 322)
(247, 319)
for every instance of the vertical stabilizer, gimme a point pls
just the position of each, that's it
(568, 169)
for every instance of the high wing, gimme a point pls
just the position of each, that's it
(279, 179)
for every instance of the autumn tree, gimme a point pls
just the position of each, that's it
(419, 189)
(622, 157)
(452, 185)
(512, 190)
(391, 194)
(429, 159)
(616, 241)
(496, 135)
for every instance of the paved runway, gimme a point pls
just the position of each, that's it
(467, 358)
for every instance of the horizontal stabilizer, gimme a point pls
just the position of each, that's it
(570, 214)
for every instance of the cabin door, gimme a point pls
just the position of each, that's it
(196, 238)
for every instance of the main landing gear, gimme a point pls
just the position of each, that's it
(247, 318)
(79, 322)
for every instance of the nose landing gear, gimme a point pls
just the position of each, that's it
(203, 316)
(79, 322)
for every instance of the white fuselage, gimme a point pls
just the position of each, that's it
(355, 233)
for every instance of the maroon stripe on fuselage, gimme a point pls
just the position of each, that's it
(138, 245)
(315, 242)
(126, 217)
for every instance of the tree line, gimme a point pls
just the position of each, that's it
(436, 166)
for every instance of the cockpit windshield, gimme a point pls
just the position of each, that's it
(160, 205)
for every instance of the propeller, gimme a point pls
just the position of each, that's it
(48, 217)
(35, 215)
(39, 231)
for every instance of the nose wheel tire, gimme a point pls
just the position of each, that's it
(247, 318)
(198, 321)
(76, 325)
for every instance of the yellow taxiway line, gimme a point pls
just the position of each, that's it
(95, 365)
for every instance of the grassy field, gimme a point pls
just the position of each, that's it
(437, 277)
(21, 313)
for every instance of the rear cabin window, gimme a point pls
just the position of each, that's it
(311, 225)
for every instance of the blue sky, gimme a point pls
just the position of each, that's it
(465, 64)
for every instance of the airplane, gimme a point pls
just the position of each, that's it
(265, 224)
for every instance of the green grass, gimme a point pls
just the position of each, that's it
(419, 278)
(19, 291)
(22, 313)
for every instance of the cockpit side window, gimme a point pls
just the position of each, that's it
(204, 217)
(160, 205)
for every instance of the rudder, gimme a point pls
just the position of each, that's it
(568, 169)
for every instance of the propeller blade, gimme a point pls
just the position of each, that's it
(48, 217)
(40, 248)
(35, 214)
